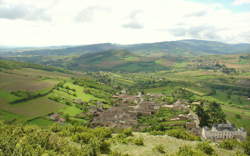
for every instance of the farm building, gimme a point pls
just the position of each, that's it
(223, 131)
(56, 117)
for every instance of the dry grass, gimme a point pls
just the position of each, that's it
(170, 144)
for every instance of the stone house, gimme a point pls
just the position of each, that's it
(56, 117)
(223, 131)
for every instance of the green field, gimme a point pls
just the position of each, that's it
(244, 116)
(70, 110)
(40, 121)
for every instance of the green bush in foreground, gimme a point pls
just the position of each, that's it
(182, 134)
(127, 132)
(240, 154)
(206, 148)
(246, 147)
(159, 148)
(139, 141)
(228, 144)
(115, 153)
(188, 151)
(57, 140)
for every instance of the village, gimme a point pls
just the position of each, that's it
(130, 108)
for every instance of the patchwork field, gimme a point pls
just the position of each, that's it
(32, 108)
(14, 81)
(27, 80)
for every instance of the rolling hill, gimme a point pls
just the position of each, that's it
(146, 57)
(181, 47)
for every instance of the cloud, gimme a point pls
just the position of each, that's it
(19, 11)
(245, 36)
(197, 14)
(133, 25)
(197, 32)
(87, 14)
(133, 20)
(240, 2)
(25, 22)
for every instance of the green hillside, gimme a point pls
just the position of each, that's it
(72, 98)
(147, 57)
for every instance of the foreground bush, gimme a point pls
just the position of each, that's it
(139, 141)
(182, 134)
(246, 147)
(159, 148)
(228, 144)
(115, 153)
(206, 148)
(188, 151)
(127, 132)
(57, 140)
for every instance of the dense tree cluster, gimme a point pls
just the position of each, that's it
(210, 113)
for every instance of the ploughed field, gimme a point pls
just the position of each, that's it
(27, 80)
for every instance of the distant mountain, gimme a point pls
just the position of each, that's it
(126, 58)
(67, 50)
(191, 47)
(181, 47)
(114, 60)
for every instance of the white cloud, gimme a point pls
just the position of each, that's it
(95, 21)
(87, 14)
(133, 20)
(22, 11)
(240, 2)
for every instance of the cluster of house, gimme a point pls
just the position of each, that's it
(131, 106)
(126, 113)
(57, 118)
(178, 105)
(223, 131)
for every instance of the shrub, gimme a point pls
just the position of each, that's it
(105, 147)
(182, 134)
(238, 153)
(157, 133)
(115, 153)
(246, 147)
(139, 141)
(206, 148)
(188, 151)
(228, 144)
(121, 138)
(83, 138)
(127, 132)
(159, 148)
(238, 116)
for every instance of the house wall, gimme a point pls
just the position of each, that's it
(218, 135)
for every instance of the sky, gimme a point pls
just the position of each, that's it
(77, 22)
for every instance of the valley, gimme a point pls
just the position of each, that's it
(146, 98)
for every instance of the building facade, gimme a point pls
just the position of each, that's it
(223, 131)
